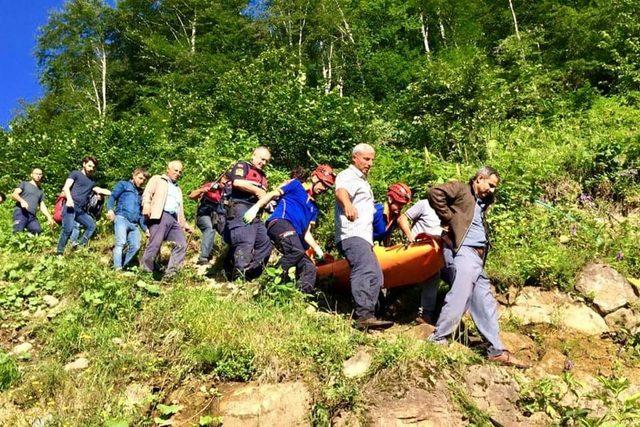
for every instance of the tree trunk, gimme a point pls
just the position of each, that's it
(103, 66)
(441, 25)
(193, 33)
(515, 20)
(327, 71)
(96, 95)
(425, 33)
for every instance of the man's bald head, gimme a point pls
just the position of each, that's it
(260, 157)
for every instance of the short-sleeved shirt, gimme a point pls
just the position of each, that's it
(477, 235)
(31, 194)
(81, 188)
(247, 171)
(296, 206)
(381, 227)
(424, 219)
(174, 198)
(354, 182)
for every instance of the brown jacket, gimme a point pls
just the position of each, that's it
(455, 202)
(155, 196)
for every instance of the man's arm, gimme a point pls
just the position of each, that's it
(198, 192)
(147, 195)
(344, 200)
(439, 197)
(308, 238)
(16, 196)
(403, 224)
(248, 187)
(111, 201)
(101, 191)
(67, 191)
(45, 212)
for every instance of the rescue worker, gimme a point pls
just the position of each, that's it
(289, 226)
(250, 246)
(385, 217)
(354, 236)
(210, 215)
(421, 220)
(462, 207)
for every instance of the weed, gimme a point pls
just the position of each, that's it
(9, 372)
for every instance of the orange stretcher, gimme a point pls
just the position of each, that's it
(401, 265)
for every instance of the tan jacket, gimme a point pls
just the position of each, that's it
(155, 196)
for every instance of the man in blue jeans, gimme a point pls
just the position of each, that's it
(78, 189)
(29, 198)
(127, 217)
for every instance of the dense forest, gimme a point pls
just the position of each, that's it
(547, 92)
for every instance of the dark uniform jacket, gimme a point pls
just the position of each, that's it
(455, 202)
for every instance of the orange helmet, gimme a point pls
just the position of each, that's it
(399, 193)
(325, 174)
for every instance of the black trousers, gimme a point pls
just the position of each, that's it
(289, 243)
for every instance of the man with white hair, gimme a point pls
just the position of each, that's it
(163, 207)
(354, 236)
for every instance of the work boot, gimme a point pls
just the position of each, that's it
(372, 323)
(506, 358)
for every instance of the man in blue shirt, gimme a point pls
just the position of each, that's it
(78, 189)
(461, 208)
(289, 226)
(127, 216)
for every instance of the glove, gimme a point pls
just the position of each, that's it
(251, 214)
(319, 254)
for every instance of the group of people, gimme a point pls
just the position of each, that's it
(233, 206)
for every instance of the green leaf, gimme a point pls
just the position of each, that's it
(116, 423)
(168, 410)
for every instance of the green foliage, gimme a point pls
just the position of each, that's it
(224, 362)
(9, 372)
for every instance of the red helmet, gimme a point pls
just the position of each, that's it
(399, 193)
(325, 174)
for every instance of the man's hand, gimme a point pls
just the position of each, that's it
(260, 193)
(351, 212)
(147, 233)
(111, 215)
(69, 203)
(24, 205)
(146, 211)
(188, 228)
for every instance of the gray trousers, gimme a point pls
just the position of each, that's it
(471, 291)
(429, 295)
(366, 276)
(207, 244)
(165, 229)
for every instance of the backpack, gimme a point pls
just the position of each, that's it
(58, 209)
(94, 206)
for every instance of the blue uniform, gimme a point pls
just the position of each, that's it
(286, 228)
(381, 230)
(296, 206)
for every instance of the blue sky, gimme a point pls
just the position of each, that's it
(19, 23)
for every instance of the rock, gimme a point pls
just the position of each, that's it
(608, 288)
(494, 391)
(286, 404)
(43, 421)
(357, 365)
(520, 345)
(417, 407)
(50, 300)
(79, 364)
(583, 319)
(551, 363)
(22, 348)
(138, 396)
(534, 305)
(622, 319)
(420, 332)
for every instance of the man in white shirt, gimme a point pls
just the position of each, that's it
(354, 235)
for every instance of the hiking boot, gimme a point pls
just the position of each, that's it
(506, 358)
(202, 262)
(373, 323)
